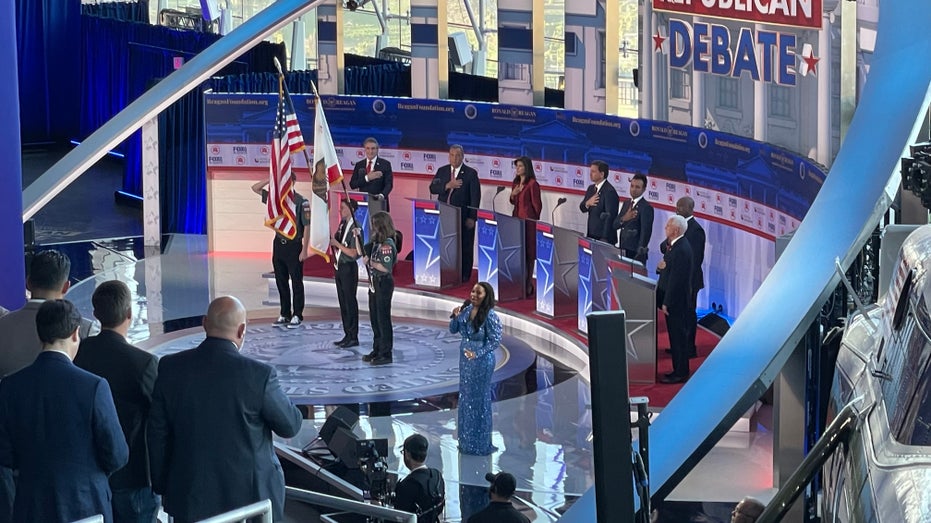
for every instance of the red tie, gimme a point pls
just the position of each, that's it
(368, 167)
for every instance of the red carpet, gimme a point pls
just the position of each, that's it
(659, 394)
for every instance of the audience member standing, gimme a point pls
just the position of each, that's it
(288, 260)
(423, 491)
(601, 203)
(677, 282)
(59, 428)
(210, 428)
(480, 328)
(695, 235)
(131, 373)
(47, 280)
(500, 509)
(373, 174)
(635, 222)
(457, 184)
(346, 247)
(525, 197)
(381, 255)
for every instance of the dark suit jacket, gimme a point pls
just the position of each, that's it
(695, 234)
(527, 204)
(600, 228)
(130, 372)
(20, 341)
(677, 277)
(380, 186)
(413, 493)
(59, 428)
(210, 431)
(635, 234)
(469, 195)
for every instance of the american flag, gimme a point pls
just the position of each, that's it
(286, 139)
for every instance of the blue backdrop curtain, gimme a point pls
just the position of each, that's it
(48, 33)
(125, 11)
(122, 60)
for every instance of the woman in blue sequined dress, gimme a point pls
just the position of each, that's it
(480, 328)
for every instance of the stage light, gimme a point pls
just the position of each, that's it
(352, 5)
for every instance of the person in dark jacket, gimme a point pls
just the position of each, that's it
(372, 174)
(210, 428)
(500, 509)
(600, 203)
(423, 491)
(59, 428)
(457, 184)
(131, 373)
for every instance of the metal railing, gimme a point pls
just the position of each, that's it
(838, 432)
(350, 506)
(259, 508)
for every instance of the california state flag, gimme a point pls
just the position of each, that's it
(324, 151)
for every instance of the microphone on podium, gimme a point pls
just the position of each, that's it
(498, 191)
(553, 213)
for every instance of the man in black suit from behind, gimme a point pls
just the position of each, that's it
(372, 174)
(423, 491)
(131, 374)
(601, 203)
(634, 222)
(457, 184)
(677, 282)
(695, 235)
(210, 428)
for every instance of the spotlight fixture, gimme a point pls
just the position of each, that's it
(352, 5)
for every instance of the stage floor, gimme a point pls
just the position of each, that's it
(541, 419)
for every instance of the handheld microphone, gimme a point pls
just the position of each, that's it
(494, 199)
(553, 213)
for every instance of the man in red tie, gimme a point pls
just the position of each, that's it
(457, 184)
(372, 174)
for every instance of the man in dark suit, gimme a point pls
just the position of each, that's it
(457, 184)
(373, 174)
(634, 222)
(47, 280)
(422, 491)
(131, 373)
(210, 428)
(600, 202)
(695, 235)
(677, 282)
(59, 428)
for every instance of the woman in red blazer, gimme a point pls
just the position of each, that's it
(525, 197)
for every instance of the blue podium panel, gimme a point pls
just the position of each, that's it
(501, 260)
(437, 246)
(594, 277)
(557, 268)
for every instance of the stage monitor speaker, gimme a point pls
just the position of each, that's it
(345, 446)
(714, 323)
(341, 417)
(607, 355)
(460, 52)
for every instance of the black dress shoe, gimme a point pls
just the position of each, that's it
(674, 379)
(669, 375)
(341, 342)
(382, 360)
(369, 357)
(350, 343)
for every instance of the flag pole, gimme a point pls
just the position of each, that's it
(319, 101)
(307, 158)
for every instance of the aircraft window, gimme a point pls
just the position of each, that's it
(914, 420)
(901, 306)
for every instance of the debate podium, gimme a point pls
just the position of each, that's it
(557, 269)
(635, 293)
(501, 248)
(436, 244)
(594, 278)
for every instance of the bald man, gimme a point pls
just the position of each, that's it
(210, 428)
